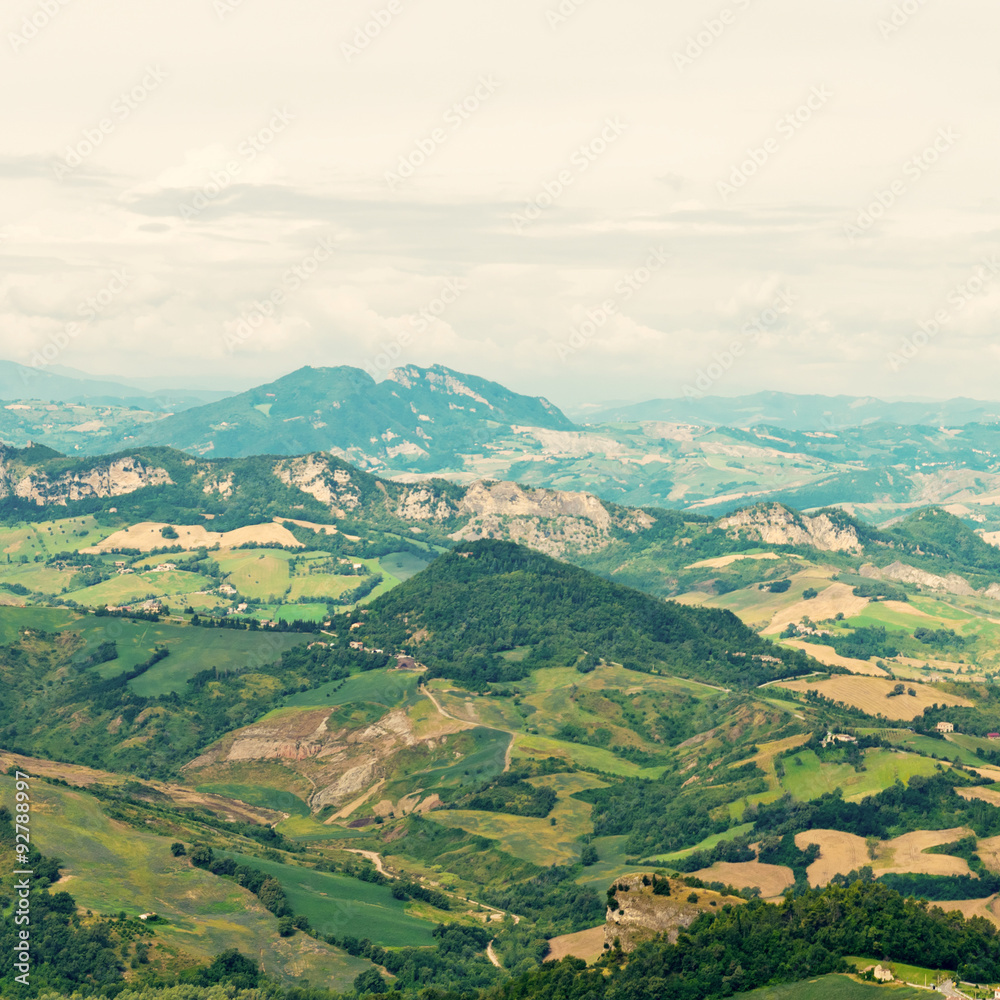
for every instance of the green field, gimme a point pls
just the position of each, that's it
(259, 795)
(537, 840)
(947, 748)
(339, 905)
(109, 867)
(812, 778)
(834, 987)
(129, 587)
(403, 565)
(384, 687)
(907, 973)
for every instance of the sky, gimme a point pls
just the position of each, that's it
(581, 199)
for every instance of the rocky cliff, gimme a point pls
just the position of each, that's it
(775, 524)
(637, 914)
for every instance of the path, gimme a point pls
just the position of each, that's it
(375, 859)
(510, 746)
(492, 955)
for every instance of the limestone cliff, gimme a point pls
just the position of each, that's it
(103, 478)
(775, 524)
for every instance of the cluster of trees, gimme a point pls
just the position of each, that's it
(510, 794)
(493, 597)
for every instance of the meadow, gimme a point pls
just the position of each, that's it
(341, 905)
(109, 867)
(807, 777)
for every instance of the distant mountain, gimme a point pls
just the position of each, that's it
(66, 385)
(417, 418)
(800, 412)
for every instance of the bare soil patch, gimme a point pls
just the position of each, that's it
(719, 562)
(973, 907)
(147, 535)
(907, 853)
(829, 656)
(840, 853)
(588, 945)
(772, 880)
(836, 597)
(869, 695)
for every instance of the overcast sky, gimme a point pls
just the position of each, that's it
(508, 168)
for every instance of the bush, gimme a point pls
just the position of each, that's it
(177, 849)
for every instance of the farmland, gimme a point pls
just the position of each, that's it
(869, 694)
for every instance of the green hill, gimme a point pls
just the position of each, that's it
(493, 611)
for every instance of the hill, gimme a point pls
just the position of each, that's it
(415, 418)
(471, 607)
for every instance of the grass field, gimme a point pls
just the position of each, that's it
(129, 587)
(383, 687)
(259, 795)
(812, 778)
(109, 867)
(339, 905)
(918, 974)
(836, 987)
(946, 748)
(538, 840)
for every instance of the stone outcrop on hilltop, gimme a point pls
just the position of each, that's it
(775, 524)
(637, 913)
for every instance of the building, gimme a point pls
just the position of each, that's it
(993, 736)
(945, 727)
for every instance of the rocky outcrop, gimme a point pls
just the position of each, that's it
(636, 914)
(901, 572)
(950, 584)
(775, 524)
(113, 478)
(549, 521)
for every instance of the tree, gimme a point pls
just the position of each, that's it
(872, 844)
(588, 856)
(202, 856)
(286, 926)
(169, 532)
(370, 981)
(177, 849)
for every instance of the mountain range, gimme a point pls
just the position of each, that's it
(877, 458)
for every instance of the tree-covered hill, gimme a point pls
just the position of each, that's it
(493, 611)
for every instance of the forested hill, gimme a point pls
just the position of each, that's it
(494, 611)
